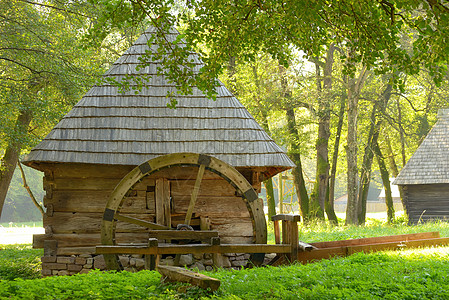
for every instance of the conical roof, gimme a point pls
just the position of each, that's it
(430, 163)
(108, 126)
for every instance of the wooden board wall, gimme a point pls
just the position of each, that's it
(426, 202)
(76, 196)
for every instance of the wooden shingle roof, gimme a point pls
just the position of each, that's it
(111, 127)
(430, 163)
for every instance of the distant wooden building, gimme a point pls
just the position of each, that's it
(108, 133)
(425, 177)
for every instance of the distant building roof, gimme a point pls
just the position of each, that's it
(110, 127)
(430, 163)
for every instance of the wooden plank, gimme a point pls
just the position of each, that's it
(215, 188)
(397, 246)
(67, 222)
(159, 196)
(180, 274)
(213, 206)
(194, 249)
(232, 226)
(96, 183)
(87, 239)
(94, 202)
(194, 195)
(182, 234)
(139, 222)
(77, 170)
(75, 250)
(381, 239)
(325, 253)
(286, 217)
(166, 203)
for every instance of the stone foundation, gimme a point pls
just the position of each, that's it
(83, 263)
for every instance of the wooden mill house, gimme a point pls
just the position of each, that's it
(109, 133)
(425, 177)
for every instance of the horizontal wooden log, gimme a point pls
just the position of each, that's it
(182, 234)
(182, 275)
(381, 239)
(95, 202)
(232, 226)
(212, 206)
(95, 183)
(76, 170)
(86, 239)
(194, 249)
(66, 222)
(215, 188)
(326, 253)
(75, 250)
(400, 245)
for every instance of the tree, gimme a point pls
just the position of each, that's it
(44, 69)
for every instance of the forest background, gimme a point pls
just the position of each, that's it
(349, 88)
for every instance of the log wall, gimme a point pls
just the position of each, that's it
(76, 196)
(427, 202)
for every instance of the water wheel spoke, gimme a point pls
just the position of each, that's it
(194, 196)
(139, 222)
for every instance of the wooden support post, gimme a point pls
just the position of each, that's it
(277, 232)
(215, 241)
(289, 233)
(151, 260)
(281, 193)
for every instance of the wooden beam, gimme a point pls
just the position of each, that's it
(194, 249)
(325, 253)
(180, 274)
(139, 222)
(182, 234)
(194, 196)
(381, 239)
(286, 217)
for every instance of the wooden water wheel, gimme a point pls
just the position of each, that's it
(202, 162)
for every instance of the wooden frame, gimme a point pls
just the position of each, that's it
(203, 162)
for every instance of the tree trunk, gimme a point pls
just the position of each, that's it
(394, 170)
(12, 153)
(351, 156)
(365, 174)
(298, 177)
(320, 188)
(386, 181)
(331, 212)
(354, 88)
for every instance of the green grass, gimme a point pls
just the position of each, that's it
(407, 274)
(19, 261)
(21, 224)
(382, 275)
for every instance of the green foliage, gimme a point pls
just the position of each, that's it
(19, 261)
(410, 274)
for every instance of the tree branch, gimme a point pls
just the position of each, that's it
(25, 185)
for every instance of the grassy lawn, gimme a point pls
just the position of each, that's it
(406, 274)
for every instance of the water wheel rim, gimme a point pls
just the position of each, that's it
(223, 169)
